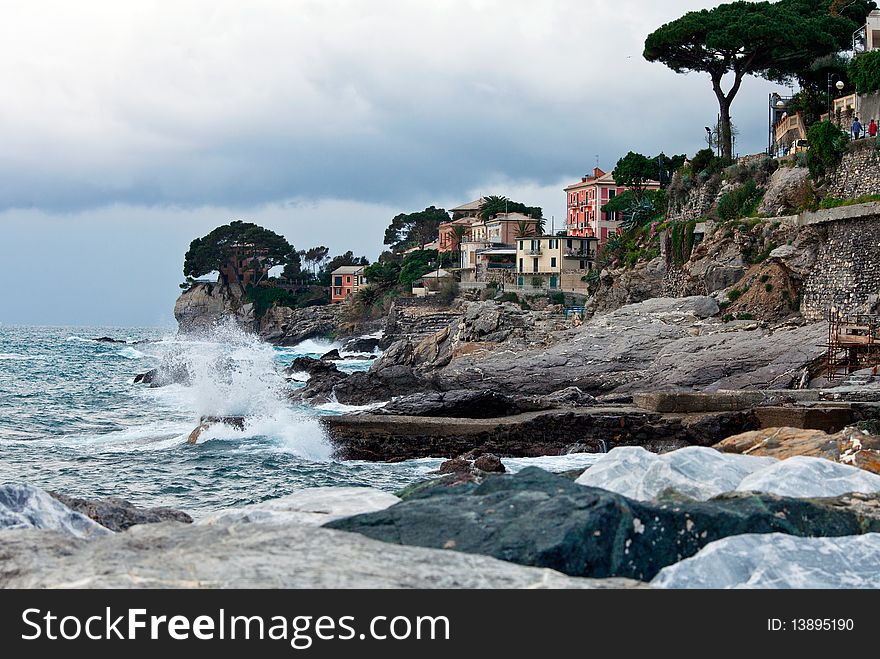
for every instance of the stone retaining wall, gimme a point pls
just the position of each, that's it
(859, 172)
(846, 275)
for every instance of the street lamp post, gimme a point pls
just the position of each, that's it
(839, 86)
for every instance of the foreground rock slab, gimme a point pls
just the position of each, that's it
(776, 560)
(253, 556)
(27, 507)
(542, 519)
(313, 506)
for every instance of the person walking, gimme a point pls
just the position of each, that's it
(872, 128)
(856, 128)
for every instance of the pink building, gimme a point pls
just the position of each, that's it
(584, 201)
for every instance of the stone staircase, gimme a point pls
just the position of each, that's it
(415, 323)
(859, 379)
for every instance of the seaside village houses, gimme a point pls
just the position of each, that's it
(509, 250)
(345, 281)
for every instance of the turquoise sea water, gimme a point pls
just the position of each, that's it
(72, 420)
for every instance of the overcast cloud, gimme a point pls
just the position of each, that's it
(130, 128)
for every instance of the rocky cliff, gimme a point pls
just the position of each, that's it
(205, 305)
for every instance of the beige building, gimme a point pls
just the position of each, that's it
(554, 262)
(499, 231)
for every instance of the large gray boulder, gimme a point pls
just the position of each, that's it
(803, 476)
(694, 471)
(204, 306)
(776, 560)
(253, 556)
(546, 520)
(28, 507)
(702, 473)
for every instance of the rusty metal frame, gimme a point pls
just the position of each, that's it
(853, 343)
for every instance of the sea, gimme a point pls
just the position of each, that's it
(72, 420)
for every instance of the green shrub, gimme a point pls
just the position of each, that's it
(448, 292)
(701, 160)
(727, 317)
(764, 278)
(510, 297)
(760, 257)
(734, 294)
(768, 287)
(828, 144)
(742, 201)
(864, 72)
(834, 202)
(557, 298)
(265, 297)
(744, 315)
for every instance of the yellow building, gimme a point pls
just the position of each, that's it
(554, 262)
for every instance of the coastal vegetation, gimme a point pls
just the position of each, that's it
(775, 41)
(828, 143)
(494, 204)
(414, 229)
(237, 242)
(864, 72)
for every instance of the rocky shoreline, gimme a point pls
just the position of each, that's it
(633, 519)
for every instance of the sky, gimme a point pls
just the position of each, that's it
(128, 129)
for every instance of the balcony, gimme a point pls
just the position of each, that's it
(535, 252)
(501, 266)
(579, 254)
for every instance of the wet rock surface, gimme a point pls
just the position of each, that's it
(323, 377)
(541, 519)
(118, 514)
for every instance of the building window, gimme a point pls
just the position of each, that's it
(520, 265)
(611, 194)
(582, 265)
(552, 261)
(568, 243)
(535, 264)
(337, 281)
(337, 291)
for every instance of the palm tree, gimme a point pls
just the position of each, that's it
(492, 205)
(525, 228)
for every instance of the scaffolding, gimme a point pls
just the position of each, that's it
(853, 343)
